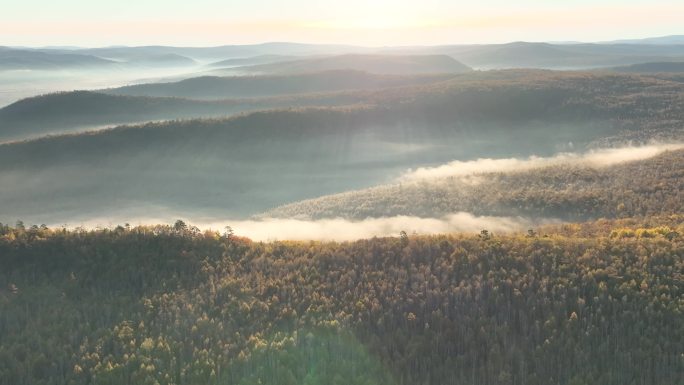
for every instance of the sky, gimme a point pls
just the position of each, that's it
(358, 22)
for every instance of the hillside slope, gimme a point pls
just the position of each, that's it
(653, 67)
(245, 165)
(650, 105)
(78, 111)
(215, 87)
(252, 60)
(18, 59)
(559, 56)
(566, 191)
(380, 64)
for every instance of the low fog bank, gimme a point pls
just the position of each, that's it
(19, 84)
(338, 229)
(595, 158)
(121, 183)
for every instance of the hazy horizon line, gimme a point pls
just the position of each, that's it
(295, 42)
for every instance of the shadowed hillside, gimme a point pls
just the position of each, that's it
(241, 166)
(650, 106)
(251, 163)
(82, 110)
(214, 87)
(211, 97)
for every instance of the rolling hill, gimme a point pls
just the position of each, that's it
(557, 56)
(486, 96)
(252, 60)
(217, 53)
(654, 67)
(569, 190)
(374, 63)
(163, 60)
(215, 87)
(519, 54)
(244, 165)
(658, 40)
(18, 59)
(80, 110)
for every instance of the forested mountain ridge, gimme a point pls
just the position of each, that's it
(173, 305)
(222, 87)
(78, 111)
(253, 162)
(567, 191)
(650, 106)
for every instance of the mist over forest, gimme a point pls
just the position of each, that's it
(287, 213)
(312, 135)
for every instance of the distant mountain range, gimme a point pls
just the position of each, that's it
(315, 57)
(670, 39)
(558, 56)
(212, 54)
(15, 59)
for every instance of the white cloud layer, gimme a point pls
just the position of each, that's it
(595, 158)
(339, 229)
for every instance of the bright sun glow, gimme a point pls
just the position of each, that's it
(359, 22)
(373, 22)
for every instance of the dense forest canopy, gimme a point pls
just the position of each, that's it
(174, 305)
